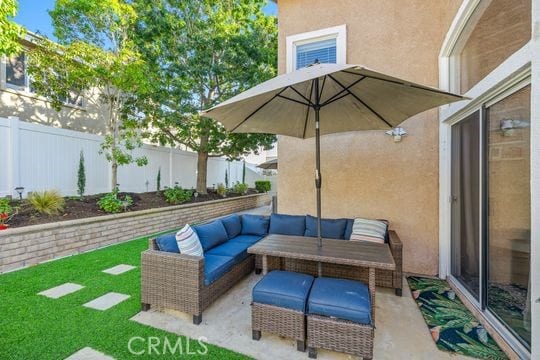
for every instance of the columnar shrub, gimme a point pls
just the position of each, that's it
(81, 176)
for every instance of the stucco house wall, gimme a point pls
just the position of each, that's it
(366, 174)
(30, 107)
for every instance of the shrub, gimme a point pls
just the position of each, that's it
(48, 202)
(111, 203)
(81, 176)
(240, 188)
(177, 195)
(5, 212)
(263, 185)
(158, 180)
(221, 190)
(226, 179)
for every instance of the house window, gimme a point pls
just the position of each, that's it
(325, 46)
(16, 76)
(323, 51)
(501, 28)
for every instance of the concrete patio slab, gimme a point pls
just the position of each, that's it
(119, 269)
(401, 332)
(88, 353)
(61, 290)
(106, 301)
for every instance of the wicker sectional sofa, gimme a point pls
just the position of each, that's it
(192, 283)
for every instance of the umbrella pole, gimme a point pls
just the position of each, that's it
(318, 179)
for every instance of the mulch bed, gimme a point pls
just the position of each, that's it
(76, 208)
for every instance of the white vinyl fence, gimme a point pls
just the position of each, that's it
(39, 157)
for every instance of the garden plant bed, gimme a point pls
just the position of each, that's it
(76, 208)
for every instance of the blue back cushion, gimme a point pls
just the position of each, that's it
(287, 224)
(330, 228)
(211, 234)
(167, 243)
(348, 229)
(233, 225)
(255, 225)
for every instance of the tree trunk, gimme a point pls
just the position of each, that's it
(202, 164)
(114, 174)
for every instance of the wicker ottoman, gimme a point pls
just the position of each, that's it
(339, 317)
(279, 304)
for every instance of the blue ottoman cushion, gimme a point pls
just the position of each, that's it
(215, 266)
(284, 289)
(348, 229)
(233, 225)
(340, 298)
(330, 228)
(211, 234)
(167, 243)
(236, 250)
(255, 225)
(287, 224)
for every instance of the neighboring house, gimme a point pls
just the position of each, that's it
(459, 189)
(17, 98)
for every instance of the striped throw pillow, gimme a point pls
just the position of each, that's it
(369, 230)
(188, 241)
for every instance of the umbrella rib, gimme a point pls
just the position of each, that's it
(361, 101)
(303, 97)
(322, 86)
(293, 100)
(405, 84)
(331, 99)
(307, 113)
(259, 108)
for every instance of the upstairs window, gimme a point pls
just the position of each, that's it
(16, 76)
(323, 51)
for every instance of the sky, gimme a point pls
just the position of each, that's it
(33, 15)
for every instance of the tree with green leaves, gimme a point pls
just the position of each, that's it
(203, 52)
(10, 32)
(96, 61)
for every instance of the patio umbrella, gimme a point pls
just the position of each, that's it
(324, 99)
(269, 165)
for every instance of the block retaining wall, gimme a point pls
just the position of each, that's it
(30, 245)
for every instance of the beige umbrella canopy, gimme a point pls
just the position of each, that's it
(269, 165)
(325, 99)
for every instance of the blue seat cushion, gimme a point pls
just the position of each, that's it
(236, 250)
(248, 239)
(233, 225)
(167, 243)
(287, 224)
(284, 289)
(340, 298)
(255, 225)
(330, 228)
(211, 234)
(348, 229)
(215, 266)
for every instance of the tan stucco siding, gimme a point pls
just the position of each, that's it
(31, 108)
(367, 174)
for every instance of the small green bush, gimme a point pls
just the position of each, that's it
(177, 195)
(263, 185)
(5, 207)
(111, 203)
(240, 188)
(48, 202)
(221, 190)
(81, 176)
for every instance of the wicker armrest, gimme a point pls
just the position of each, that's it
(395, 242)
(396, 247)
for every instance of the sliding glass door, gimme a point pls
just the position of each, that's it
(491, 210)
(509, 220)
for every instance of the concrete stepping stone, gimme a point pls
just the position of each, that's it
(61, 290)
(106, 301)
(88, 353)
(119, 269)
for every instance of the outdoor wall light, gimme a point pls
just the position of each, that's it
(19, 190)
(397, 133)
(508, 126)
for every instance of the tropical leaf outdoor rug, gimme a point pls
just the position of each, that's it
(453, 327)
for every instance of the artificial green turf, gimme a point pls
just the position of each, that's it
(36, 327)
